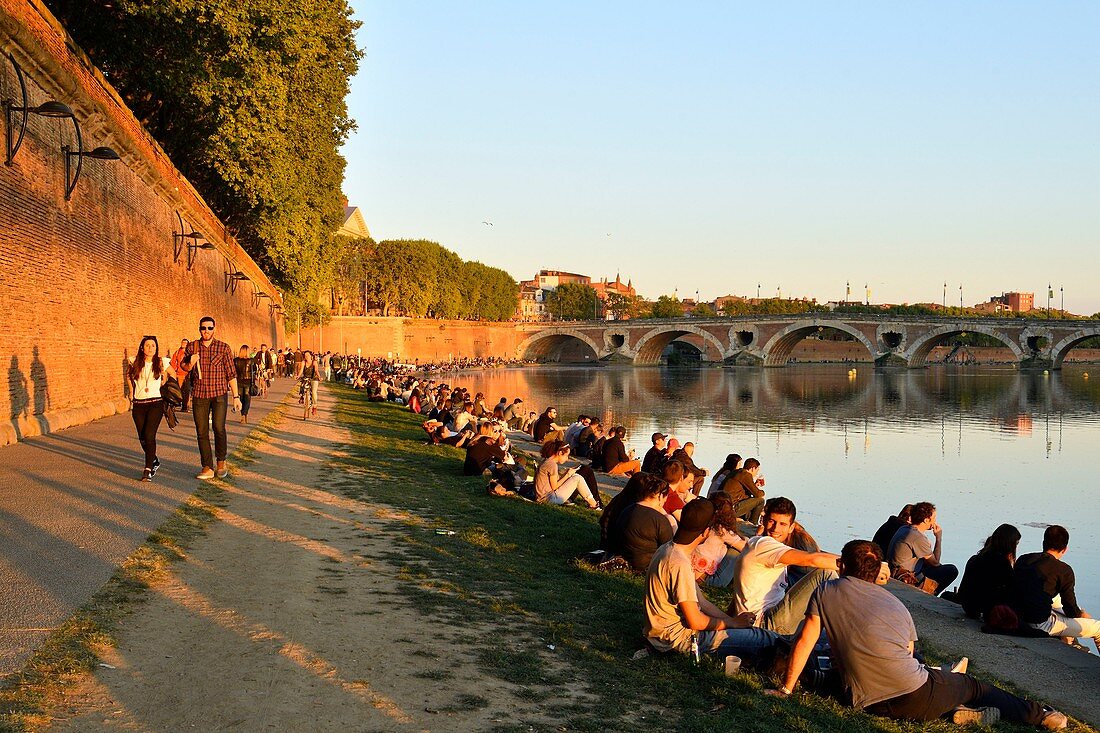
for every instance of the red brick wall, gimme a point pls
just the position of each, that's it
(410, 338)
(82, 280)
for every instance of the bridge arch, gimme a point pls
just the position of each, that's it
(553, 345)
(649, 347)
(1059, 350)
(777, 352)
(922, 346)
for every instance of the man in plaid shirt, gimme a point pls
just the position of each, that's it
(215, 377)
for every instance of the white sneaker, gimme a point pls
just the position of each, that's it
(975, 716)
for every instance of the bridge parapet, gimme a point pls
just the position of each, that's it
(901, 341)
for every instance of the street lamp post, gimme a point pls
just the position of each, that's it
(1050, 294)
(960, 296)
(1062, 294)
(945, 295)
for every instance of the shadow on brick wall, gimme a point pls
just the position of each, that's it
(40, 384)
(29, 399)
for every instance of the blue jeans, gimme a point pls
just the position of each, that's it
(745, 643)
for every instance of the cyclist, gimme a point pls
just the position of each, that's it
(310, 378)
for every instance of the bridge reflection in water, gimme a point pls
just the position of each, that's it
(987, 445)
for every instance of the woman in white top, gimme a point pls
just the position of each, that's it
(148, 372)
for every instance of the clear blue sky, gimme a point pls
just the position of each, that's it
(793, 144)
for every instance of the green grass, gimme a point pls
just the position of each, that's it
(505, 582)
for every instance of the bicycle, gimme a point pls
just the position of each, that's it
(305, 398)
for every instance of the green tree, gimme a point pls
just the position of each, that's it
(571, 302)
(247, 97)
(703, 310)
(666, 306)
(620, 306)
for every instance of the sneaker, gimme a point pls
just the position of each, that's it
(147, 475)
(1053, 720)
(156, 466)
(223, 470)
(963, 715)
(206, 474)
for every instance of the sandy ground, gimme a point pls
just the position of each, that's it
(287, 617)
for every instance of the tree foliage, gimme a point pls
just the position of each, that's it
(703, 310)
(572, 302)
(620, 306)
(666, 306)
(247, 98)
(419, 278)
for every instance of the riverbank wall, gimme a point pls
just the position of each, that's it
(409, 339)
(84, 279)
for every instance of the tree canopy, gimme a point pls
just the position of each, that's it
(419, 278)
(247, 98)
(572, 302)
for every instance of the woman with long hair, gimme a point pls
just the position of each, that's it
(147, 373)
(987, 578)
(311, 377)
(246, 373)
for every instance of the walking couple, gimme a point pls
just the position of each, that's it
(214, 377)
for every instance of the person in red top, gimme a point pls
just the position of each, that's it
(215, 378)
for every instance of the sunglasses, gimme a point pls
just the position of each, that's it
(206, 328)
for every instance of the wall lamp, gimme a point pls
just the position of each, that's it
(72, 175)
(50, 109)
(179, 238)
(193, 252)
(257, 296)
(272, 308)
(233, 276)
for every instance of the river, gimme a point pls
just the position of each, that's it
(986, 445)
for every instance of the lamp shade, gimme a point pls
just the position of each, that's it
(52, 109)
(102, 153)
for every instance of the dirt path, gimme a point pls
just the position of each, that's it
(286, 616)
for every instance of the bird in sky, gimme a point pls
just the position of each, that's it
(487, 223)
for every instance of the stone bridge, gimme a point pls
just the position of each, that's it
(770, 340)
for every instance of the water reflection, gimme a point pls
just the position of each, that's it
(987, 445)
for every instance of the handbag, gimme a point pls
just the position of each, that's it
(253, 390)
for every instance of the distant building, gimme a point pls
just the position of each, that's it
(1012, 302)
(723, 300)
(354, 224)
(533, 292)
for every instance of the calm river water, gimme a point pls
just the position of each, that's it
(985, 445)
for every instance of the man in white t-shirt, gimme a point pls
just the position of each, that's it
(759, 582)
(675, 608)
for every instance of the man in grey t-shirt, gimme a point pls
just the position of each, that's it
(911, 549)
(871, 636)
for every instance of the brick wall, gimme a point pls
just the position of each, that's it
(82, 281)
(411, 338)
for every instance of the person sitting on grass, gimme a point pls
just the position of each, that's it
(643, 526)
(609, 537)
(679, 488)
(486, 448)
(698, 475)
(511, 479)
(911, 550)
(554, 488)
(440, 434)
(716, 558)
(574, 430)
(655, 457)
(1041, 576)
(890, 528)
(745, 486)
(676, 609)
(760, 584)
(545, 429)
(527, 424)
(733, 462)
(987, 579)
(587, 439)
(617, 461)
(876, 662)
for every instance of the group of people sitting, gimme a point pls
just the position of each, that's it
(1012, 595)
(793, 604)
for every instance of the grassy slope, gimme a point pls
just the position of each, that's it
(509, 565)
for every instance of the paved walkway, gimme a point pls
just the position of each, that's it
(72, 509)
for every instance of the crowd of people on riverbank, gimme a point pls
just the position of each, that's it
(815, 618)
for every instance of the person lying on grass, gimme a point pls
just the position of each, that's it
(676, 609)
(871, 637)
